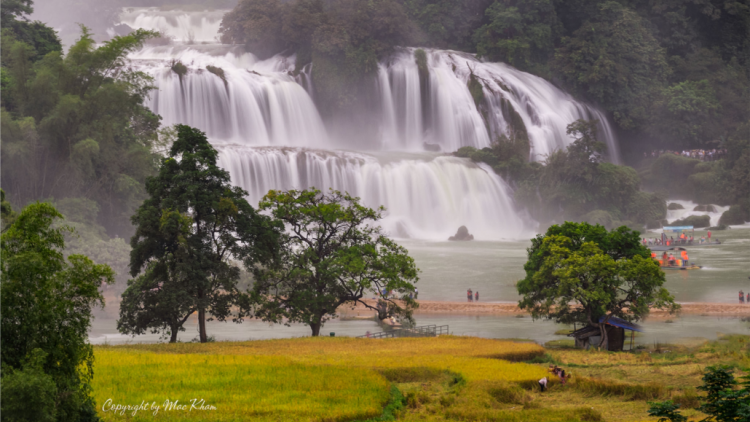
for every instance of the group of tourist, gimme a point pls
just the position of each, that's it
(682, 239)
(700, 154)
(557, 372)
(470, 296)
(671, 260)
(742, 297)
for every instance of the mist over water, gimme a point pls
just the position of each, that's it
(262, 118)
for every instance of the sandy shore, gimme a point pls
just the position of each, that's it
(488, 308)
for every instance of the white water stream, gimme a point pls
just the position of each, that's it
(262, 118)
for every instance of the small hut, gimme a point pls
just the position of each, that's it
(590, 336)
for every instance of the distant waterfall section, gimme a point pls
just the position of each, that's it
(262, 118)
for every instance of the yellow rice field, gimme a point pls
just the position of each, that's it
(294, 379)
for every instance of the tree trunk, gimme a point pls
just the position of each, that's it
(603, 330)
(202, 325)
(173, 338)
(315, 328)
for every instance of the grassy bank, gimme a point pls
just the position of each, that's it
(445, 378)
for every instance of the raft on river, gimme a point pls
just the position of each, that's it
(676, 263)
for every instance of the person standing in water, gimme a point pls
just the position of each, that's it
(476, 296)
(748, 297)
(742, 296)
(469, 295)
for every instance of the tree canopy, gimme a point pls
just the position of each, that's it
(577, 272)
(46, 308)
(332, 255)
(190, 231)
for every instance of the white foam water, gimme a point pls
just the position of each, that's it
(426, 196)
(262, 118)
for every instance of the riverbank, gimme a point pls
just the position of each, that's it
(505, 308)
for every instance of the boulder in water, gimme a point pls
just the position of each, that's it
(735, 215)
(462, 234)
(431, 147)
(705, 208)
(696, 221)
(675, 206)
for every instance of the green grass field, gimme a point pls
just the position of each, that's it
(441, 379)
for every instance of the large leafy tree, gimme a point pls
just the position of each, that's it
(577, 272)
(188, 232)
(332, 255)
(46, 309)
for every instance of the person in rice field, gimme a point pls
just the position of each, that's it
(543, 383)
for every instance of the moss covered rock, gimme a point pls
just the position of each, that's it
(696, 221)
(735, 215)
(675, 206)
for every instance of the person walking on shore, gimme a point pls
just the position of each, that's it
(476, 296)
(748, 297)
(742, 296)
(469, 295)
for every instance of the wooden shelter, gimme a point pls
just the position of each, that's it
(590, 335)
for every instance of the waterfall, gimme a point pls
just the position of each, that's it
(182, 26)
(261, 117)
(426, 196)
(454, 120)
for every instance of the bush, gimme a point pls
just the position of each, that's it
(28, 394)
(218, 72)
(736, 214)
(421, 58)
(179, 68)
(668, 168)
(588, 414)
(696, 221)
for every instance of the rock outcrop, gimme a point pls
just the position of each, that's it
(697, 221)
(705, 208)
(462, 234)
(675, 206)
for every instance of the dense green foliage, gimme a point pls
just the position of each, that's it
(46, 308)
(724, 402)
(332, 255)
(573, 184)
(577, 272)
(76, 126)
(188, 231)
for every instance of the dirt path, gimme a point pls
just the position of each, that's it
(487, 308)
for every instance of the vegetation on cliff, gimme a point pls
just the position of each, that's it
(573, 184)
